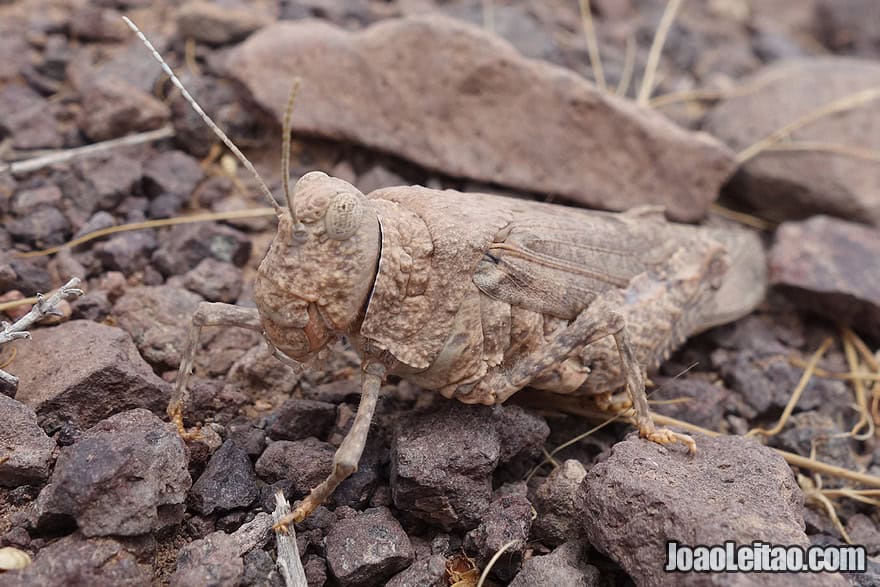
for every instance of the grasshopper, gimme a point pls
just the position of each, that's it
(477, 296)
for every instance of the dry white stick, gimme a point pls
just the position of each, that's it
(288, 553)
(43, 308)
(35, 163)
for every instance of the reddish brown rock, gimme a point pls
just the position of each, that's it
(732, 488)
(789, 185)
(830, 266)
(81, 372)
(451, 97)
(112, 108)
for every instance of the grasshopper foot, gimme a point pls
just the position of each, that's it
(299, 514)
(667, 436)
(176, 416)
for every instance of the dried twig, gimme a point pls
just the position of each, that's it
(629, 66)
(42, 308)
(206, 217)
(288, 554)
(666, 20)
(840, 105)
(494, 560)
(28, 165)
(592, 45)
(796, 394)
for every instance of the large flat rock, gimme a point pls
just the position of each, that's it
(453, 98)
(790, 185)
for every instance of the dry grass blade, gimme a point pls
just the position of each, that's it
(815, 495)
(592, 45)
(742, 218)
(206, 217)
(666, 21)
(629, 66)
(840, 105)
(29, 165)
(711, 94)
(852, 360)
(796, 394)
(494, 560)
(489, 15)
(826, 374)
(820, 147)
(549, 401)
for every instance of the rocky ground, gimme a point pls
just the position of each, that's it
(99, 490)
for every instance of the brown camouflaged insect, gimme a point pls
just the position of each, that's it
(478, 296)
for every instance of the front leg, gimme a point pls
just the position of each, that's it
(348, 455)
(206, 314)
(592, 324)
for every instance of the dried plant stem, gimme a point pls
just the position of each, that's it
(489, 15)
(19, 329)
(493, 560)
(28, 165)
(666, 21)
(796, 394)
(710, 94)
(840, 105)
(825, 373)
(592, 45)
(206, 217)
(742, 217)
(288, 555)
(550, 401)
(865, 421)
(833, 148)
(629, 65)
(44, 307)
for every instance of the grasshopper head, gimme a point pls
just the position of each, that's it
(316, 278)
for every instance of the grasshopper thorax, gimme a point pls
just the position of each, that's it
(316, 279)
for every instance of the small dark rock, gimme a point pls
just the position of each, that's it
(706, 405)
(247, 435)
(863, 530)
(442, 463)
(558, 504)
(31, 276)
(367, 549)
(522, 435)
(27, 117)
(810, 431)
(23, 444)
(507, 519)
(304, 462)
(300, 418)
(425, 572)
(171, 172)
(566, 565)
(109, 179)
(146, 460)
(94, 23)
(102, 374)
(165, 206)
(158, 318)
(260, 570)
(216, 281)
(229, 482)
(829, 266)
(334, 392)
(26, 201)
(316, 571)
(94, 306)
(112, 108)
(74, 560)
(213, 560)
(44, 227)
(218, 25)
(184, 246)
(127, 252)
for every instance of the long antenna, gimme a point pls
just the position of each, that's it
(192, 102)
(285, 149)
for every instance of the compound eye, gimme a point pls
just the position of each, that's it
(343, 216)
